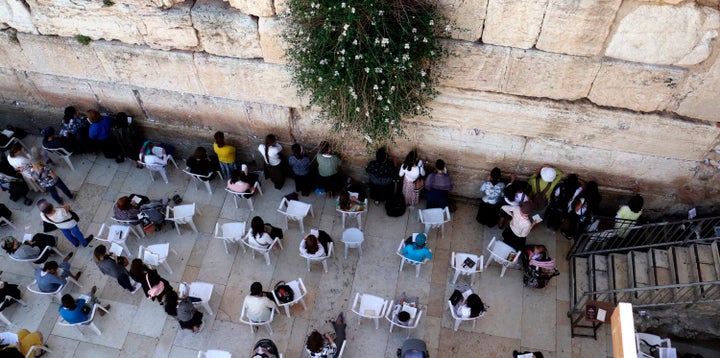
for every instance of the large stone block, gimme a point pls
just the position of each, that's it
(665, 35)
(114, 97)
(702, 95)
(145, 67)
(466, 16)
(11, 53)
(16, 14)
(273, 46)
(17, 89)
(167, 29)
(60, 91)
(61, 56)
(253, 7)
(541, 74)
(225, 31)
(513, 23)
(576, 124)
(475, 66)
(577, 27)
(635, 86)
(246, 80)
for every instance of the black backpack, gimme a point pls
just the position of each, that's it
(283, 292)
(395, 206)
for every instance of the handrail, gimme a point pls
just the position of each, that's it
(639, 237)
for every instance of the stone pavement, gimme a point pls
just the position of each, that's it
(518, 317)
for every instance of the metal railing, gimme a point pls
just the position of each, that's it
(639, 237)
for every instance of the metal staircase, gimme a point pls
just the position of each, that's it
(654, 265)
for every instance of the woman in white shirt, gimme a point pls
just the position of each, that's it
(257, 235)
(472, 307)
(411, 170)
(270, 151)
(311, 247)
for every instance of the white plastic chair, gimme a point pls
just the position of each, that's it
(88, 323)
(205, 179)
(248, 196)
(353, 214)
(500, 252)
(435, 218)
(31, 351)
(12, 339)
(214, 353)
(134, 226)
(403, 259)
(13, 140)
(457, 263)
(244, 319)
(203, 291)
(299, 292)
(394, 309)
(7, 222)
(156, 255)
(650, 340)
(33, 287)
(295, 210)
(117, 234)
(353, 239)
(322, 260)
(459, 319)
(230, 233)
(263, 251)
(3, 318)
(61, 153)
(369, 306)
(28, 237)
(182, 214)
(155, 168)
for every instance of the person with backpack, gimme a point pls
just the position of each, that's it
(542, 184)
(258, 305)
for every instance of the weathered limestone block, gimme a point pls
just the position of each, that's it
(141, 66)
(635, 86)
(61, 56)
(541, 74)
(576, 124)
(467, 17)
(128, 23)
(281, 6)
(11, 53)
(273, 46)
(253, 7)
(225, 31)
(702, 95)
(59, 91)
(246, 80)
(475, 66)
(16, 14)
(665, 35)
(513, 23)
(115, 97)
(17, 89)
(577, 27)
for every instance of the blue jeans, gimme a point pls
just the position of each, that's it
(53, 191)
(75, 236)
(227, 169)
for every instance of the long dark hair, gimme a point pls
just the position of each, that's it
(257, 226)
(410, 160)
(476, 305)
(315, 342)
(171, 302)
(269, 140)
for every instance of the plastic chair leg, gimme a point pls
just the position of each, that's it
(455, 277)
(207, 186)
(325, 266)
(457, 324)
(5, 319)
(95, 329)
(206, 305)
(167, 267)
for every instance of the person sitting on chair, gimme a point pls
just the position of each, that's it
(347, 202)
(49, 279)
(258, 304)
(265, 348)
(416, 250)
(125, 209)
(76, 311)
(240, 182)
(257, 236)
(310, 247)
(323, 345)
(184, 312)
(21, 346)
(29, 249)
(202, 164)
(472, 307)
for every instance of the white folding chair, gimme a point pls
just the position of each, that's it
(299, 292)
(117, 234)
(7, 222)
(457, 263)
(262, 250)
(295, 210)
(3, 318)
(644, 342)
(393, 311)
(214, 353)
(459, 319)
(203, 291)
(353, 239)
(28, 237)
(31, 351)
(33, 287)
(353, 214)
(248, 196)
(503, 254)
(159, 152)
(403, 259)
(205, 179)
(61, 153)
(155, 168)
(369, 306)
(182, 214)
(133, 225)
(156, 255)
(89, 322)
(434, 218)
(11, 141)
(244, 319)
(230, 233)
(10, 338)
(322, 260)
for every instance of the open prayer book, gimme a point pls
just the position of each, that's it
(116, 249)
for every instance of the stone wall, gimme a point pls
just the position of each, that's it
(625, 92)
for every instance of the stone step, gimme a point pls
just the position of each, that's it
(580, 279)
(681, 270)
(600, 280)
(705, 262)
(619, 275)
(638, 269)
(659, 268)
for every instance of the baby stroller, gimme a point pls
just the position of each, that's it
(537, 273)
(413, 348)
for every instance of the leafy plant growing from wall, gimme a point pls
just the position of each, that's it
(82, 39)
(366, 64)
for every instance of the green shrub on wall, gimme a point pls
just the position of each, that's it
(365, 63)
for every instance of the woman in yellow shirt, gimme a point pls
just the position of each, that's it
(225, 153)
